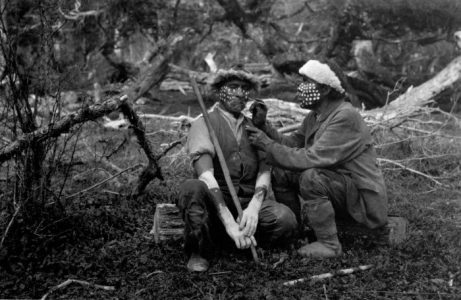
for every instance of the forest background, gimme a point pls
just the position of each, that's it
(95, 106)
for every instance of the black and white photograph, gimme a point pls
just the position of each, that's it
(230, 149)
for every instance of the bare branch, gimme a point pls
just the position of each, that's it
(16, 211)
(389, 161)
(296, 12)
(81, 282)
(102, 182)
(76, 14)
(152, 170)
(62, 126)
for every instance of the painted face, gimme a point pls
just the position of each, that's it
(308, 94)
(234, 95)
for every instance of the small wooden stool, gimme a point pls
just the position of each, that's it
(168, 225)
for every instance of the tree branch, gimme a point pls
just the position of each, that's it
(62, 126)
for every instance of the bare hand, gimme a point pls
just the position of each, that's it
(258, 138)
(249, 220)
(240, 239)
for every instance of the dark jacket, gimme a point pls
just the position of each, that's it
(338, 140)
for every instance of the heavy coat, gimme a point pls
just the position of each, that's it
(337, 140)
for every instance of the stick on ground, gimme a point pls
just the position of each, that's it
(81, 282)
(328, 275)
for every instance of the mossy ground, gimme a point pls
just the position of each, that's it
(103, 237)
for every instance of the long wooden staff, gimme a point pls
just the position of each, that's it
(222, 161)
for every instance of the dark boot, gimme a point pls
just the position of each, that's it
(321, 218)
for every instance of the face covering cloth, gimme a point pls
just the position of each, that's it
(233, 99)
(308, 95)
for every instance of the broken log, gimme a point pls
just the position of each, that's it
(168, 225)
(416, 97)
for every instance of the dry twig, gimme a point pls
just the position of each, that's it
(380, 160)
(102, 182)
(328, 275)
(81, 282)
(16, 211)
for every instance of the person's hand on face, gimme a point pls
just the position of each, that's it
(234, 95)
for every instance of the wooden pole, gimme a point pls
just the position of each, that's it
(222, 161)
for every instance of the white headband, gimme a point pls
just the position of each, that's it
(322, 74)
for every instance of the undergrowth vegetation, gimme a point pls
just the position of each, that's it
(101, 235)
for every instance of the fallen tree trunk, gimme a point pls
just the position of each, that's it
(425, 92)
(156, 67)
(415, 98)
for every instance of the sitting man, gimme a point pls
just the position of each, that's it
(330, 160)
(205, 203)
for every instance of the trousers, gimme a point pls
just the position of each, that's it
(294, 189)
(204, 231)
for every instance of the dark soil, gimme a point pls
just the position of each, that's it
(103, 237)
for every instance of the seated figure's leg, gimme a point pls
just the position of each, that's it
(323, 194)
(197, 212)
(276, 225)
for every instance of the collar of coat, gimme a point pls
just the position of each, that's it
(331, 107)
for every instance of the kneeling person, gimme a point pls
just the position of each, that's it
(330, 160)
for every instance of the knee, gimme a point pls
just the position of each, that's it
(191, 191)
(284, 218)
(312, 184)
(192, 185)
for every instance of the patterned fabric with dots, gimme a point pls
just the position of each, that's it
(308, 94)
(226, 94)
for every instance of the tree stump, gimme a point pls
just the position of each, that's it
(168, 225)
